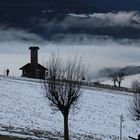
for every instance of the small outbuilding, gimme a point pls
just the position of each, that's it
(34, 69)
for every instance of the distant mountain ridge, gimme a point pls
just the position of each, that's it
(128, 70)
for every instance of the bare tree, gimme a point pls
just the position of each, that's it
(117, 77)
(62, 86)
(114, 78)
(120, 78)
(136, 86)
(135, 104)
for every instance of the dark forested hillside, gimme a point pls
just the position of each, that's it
(128, 70)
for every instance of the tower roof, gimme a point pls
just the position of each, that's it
(29, 66)
(34, 48)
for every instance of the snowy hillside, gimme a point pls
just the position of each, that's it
(23, 104)
(127, 82)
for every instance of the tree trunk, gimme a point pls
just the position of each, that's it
(114, 83)
(119, 84)
(66, 129)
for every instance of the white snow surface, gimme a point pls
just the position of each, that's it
(23, 104)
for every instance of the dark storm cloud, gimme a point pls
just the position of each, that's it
(97, 20)
(105, 24)
(118, 25)
(122, 19)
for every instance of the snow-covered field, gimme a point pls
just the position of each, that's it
(23, 104)
(127, 82)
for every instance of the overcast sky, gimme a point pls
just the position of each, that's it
(116, 4)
